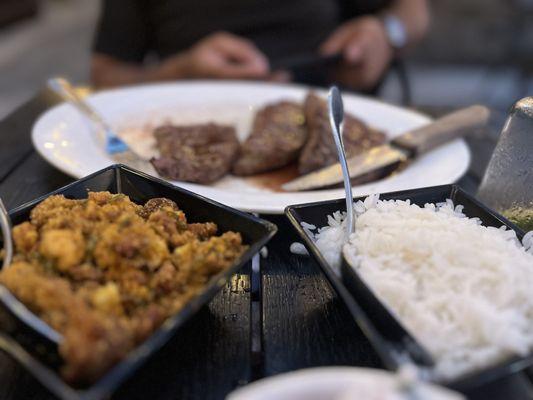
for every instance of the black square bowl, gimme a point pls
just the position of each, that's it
(38, 352)
(390, 339)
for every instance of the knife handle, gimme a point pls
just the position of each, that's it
(452, 126)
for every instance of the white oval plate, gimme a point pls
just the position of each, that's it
(64, 138)
(336, 383)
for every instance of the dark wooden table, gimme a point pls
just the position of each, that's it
(279, 317)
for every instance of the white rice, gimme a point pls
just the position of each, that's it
(465, 291)
(299, 249)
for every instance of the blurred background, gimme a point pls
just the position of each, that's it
(477, 51)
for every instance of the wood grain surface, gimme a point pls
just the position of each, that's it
(305, 324)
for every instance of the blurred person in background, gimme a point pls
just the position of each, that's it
(149, 40)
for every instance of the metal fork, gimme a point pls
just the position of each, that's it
(113, 145)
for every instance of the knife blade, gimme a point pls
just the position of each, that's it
(400, 150)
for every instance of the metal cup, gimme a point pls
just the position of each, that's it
(507, 185)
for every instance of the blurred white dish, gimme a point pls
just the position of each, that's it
(64, 138)
(336, 383)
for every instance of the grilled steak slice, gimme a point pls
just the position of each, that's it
(196, 153)
(320, 150)
(278, 134)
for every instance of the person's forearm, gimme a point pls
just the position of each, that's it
(415, 16)
(107, 71)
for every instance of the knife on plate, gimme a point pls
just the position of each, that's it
(401, 149)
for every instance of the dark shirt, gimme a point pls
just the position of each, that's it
(131, 29)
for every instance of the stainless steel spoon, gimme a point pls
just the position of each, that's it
(5, 225)
(336, 116)
(9, 299)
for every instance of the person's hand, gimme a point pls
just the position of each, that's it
(220, 55)
(365, 49)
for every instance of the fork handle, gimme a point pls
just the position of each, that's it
(67, 92)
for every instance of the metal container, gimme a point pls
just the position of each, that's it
(507, 185)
